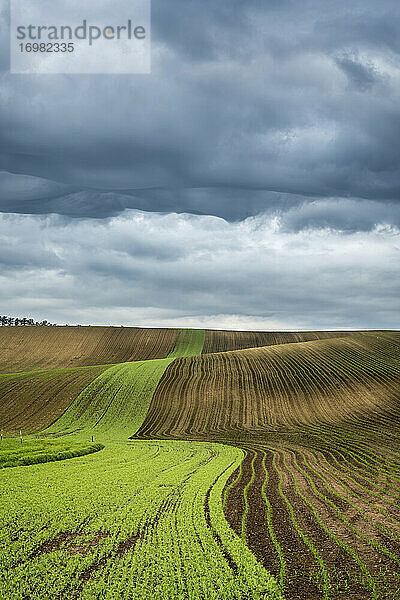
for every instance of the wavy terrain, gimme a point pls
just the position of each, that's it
(316, 497)
(112, 399)
(223, 341)
(32, 401)
(328, 381)
(32, 348)
(260, 465)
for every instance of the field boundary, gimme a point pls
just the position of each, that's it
(52, 457)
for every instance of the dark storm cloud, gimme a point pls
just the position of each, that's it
(246, 100)
(360, 77)
(29, 195)
(281, 117)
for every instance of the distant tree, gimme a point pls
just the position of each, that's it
(6, 321)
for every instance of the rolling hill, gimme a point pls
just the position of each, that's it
(236, 464)
(33, 348)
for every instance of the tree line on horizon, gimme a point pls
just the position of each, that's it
(6, 321)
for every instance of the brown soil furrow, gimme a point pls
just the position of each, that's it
(33, 402)
(348, 525)
(32, 348)
(235, 505)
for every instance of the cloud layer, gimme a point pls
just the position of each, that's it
(151, 269)
(288, 97)
(276, 123)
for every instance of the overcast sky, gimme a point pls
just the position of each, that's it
(251, 181)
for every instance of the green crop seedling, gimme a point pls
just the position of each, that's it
(232, 465)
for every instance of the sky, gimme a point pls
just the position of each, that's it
(251, 181)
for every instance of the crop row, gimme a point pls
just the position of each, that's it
(112, 400)
(30, 348)
(114, 405)
(307, 476)
(316, 496)
(327, 381)
(352, 535)
(224, 341)
(134, 521)
(32, 401)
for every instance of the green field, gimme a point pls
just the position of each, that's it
(136, 520)
(16, 453)
(263, 472)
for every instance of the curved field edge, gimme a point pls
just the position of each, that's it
(225, 341)
(33, 401)
(316, 498)
(115, 404)
(34, 348)
(32, 452)
(142, 520)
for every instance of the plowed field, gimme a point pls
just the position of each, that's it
(316, 498)
(223, 341)
(112, 400)
(260, 466)
(32, 401)
(31, 348)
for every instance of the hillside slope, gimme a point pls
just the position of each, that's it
(224, 341)
(108, 400)
(31, 401)
(316, 497)
(115, 404)
(32, 348)
(317, 422)
(330, 381)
